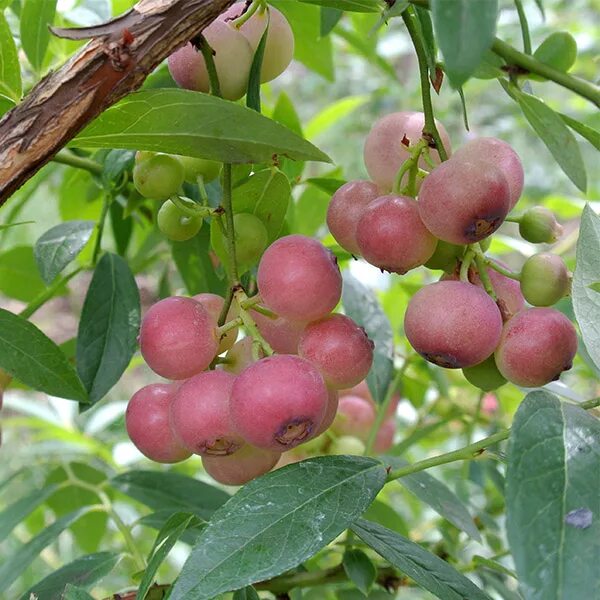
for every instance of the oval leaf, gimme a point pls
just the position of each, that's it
(428, 570)
(84, 571)
(109, 325)
(553, 505)
(362, 306)
(360, 570)
(464, 30)
(586, 283)
(194, 124)
(250, 539)
(19, 277)
(10, 72)
(36, 16)
(27, 354)
(60, 245)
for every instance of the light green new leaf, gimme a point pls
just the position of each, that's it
(194, 124)
(19, 276)
(552, 499)
(10, 72)
(586, 296)
(109, 326)
(36, 16)
(27, 354)
(333, 113)
(464, 30)
(276, 522)
(428, 570)
(589, 133)
(364, 6)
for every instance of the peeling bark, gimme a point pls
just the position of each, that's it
(115, 62)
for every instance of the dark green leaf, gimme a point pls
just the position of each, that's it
(253, 93)
(165, 540)
(426, 30)
(285, 113)
(311, 211)
(439, 497)
(194, 264)
(326, 184)
(10, 72)
(464, 30)
(122, 226)
(428, 570)
(362, 306)
(556, 135)
(168, 490)
(385, 515)
(553, 505)
(349, 5)
(60, 245)
(157, 520)
(11, 516)
(36, 16)
(194, 124)
(109, 325)
(73, 592)
(586, 299)
(84, 572)
(330, 17)
(31, 357)
(590, 134)
(248, 593)
(277, 521)
(19, 276)
(20, 559)
(360, 570)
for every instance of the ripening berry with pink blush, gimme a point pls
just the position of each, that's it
(278, 402)
(501, 155)
(462, 202)
(385, 436)
(362, 389)
(345, 210)
(178, 338)
(200, 415)
(330, 412)
(392, 236)
(243, 466)
(282, 334)
(147, 424)
(299, 279)
(355, 417)
(453, 324)
(537, 345)
(385, 151)
(214, 305)
(339, 348)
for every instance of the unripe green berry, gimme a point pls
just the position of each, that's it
(176, 225)
(143, 155)
(199, 167)
(251, 238)
(347, 444)
(158, 177)
(445, 256)
(485, 375)
(538, 225)
(558, 50)
(544, 279)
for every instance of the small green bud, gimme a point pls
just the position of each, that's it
(445, 257)
(545, 279)
(538, 225)
(347, 444)
(485, 375)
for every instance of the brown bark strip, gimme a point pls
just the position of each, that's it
(116, 61)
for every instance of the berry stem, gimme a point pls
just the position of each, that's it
(190, 208)
(408, 166)
(468, 452)
(239, 21)
(249, 323)
(514, 218)
(223, 329)
(483, 274)
(66, 157)
(430, 127)
(466, 264)
(251, 302)
(228, 207)
(506, 272)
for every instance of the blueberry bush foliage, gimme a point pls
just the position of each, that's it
(313, 314)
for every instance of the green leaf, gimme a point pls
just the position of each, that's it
(439, 497)
(34, 359)
(586, 300)
(285, 113)
(60, 245)
(277, 521)
(194, 124)
(590, 134)
(464, 30)
(428, 570)
(253, 93)
(194, 264)
(360, 570)
(10, 71)
(11, 516)
(330, 17)
(556, 135)
(363, 6)
(73, 592)
(247, 593)
(552, 500)
(426, 30)
(109, 325)
(384, 514)
(84, 571)
(168, 490)
(362, 306)
(330, 185)
(20, 559)
(36, 16)
(19, 276)
(165, 540)
(333, 113)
